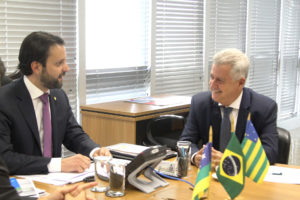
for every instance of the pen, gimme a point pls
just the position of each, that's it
(277, 173)
(89, 179)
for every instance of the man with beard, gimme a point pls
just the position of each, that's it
(36, 117)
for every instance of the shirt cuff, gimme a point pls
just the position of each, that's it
(54, 165)
(93, 151)
(192, 158)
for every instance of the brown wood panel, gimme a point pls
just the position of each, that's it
(114, 122)
(106, 131)
(85, 113)
(124, 108)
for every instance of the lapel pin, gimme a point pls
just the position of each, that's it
(54, 98)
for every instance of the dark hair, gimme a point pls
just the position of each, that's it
(35, 47)
(2, 71)
(15, 75)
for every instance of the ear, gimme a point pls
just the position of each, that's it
(242, 81)
(36, 67)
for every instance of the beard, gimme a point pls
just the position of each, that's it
(49, 81)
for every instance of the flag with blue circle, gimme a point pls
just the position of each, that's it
(231, 171)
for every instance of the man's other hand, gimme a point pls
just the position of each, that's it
(102, 152)
(76, 163)
(73, 190)
(215, 158)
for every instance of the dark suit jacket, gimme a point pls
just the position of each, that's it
(7, 192)
(5, 80)
(205, 112)
(19, 137)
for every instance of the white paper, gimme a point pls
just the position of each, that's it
(61, 178)
(278, 174)
(130, 149)
(27, 188)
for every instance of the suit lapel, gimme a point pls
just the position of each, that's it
(243, 114)
(52, 99)
(216, 121)
(26, 107)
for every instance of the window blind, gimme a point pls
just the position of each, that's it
(116, 84)
(226, 24)
(177, 59)
(289, 64)
(18, 18)
(263, 46)
(116, 50)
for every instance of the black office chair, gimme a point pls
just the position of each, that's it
(164, 130)
(284, 142)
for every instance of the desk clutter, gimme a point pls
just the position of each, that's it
(145, 170)
(142, 161)
(61, 178)
(26, 188)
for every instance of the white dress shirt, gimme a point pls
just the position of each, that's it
(235, 105)
(55, 163)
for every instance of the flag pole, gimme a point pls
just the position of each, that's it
(209, 140)
(210, 134)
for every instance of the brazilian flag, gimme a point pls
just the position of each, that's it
(231, 172)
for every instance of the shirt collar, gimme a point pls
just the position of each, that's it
(34, 91)
(236, 103)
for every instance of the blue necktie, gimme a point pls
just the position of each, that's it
(225, 131)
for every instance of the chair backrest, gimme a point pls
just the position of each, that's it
(164, 130)
(284, 142)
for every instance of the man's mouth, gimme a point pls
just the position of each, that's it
(61, 75)
(216, 91)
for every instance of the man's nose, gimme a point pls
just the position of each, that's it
(66, 68)
(212, 83)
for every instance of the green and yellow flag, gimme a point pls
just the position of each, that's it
(257, 163)
(204, 171)
(231, 172)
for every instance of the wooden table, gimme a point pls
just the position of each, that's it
(122, 121)
(180, 190)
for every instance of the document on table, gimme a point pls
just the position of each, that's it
(127, 149)
(283, 175)
(61, 178)
(160, 101)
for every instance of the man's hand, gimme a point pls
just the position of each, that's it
(198, 156)
(73, 190)
(77, 163)
(215, 157)
(102, 152)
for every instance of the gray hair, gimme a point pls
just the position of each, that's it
(236, 59)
